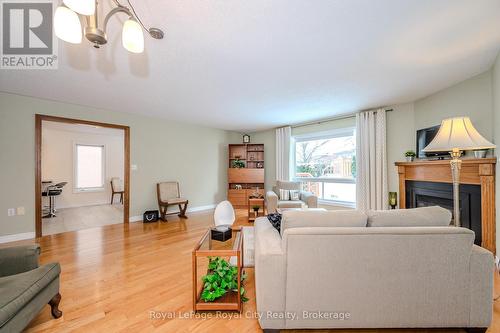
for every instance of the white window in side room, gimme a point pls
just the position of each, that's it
(89, 166)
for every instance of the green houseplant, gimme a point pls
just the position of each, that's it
(410, 155)
(238, 164)
(221, 278)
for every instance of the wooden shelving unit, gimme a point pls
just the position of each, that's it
(243, 182)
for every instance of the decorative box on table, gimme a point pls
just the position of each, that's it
(221, 233)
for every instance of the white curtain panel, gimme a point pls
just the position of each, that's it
(371, 161)
(283, 136)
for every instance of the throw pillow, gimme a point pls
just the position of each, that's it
(294, 195)
(284, 194)
(275, 220)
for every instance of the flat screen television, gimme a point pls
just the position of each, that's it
(424, 137)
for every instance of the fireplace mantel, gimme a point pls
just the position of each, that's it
(474, 171)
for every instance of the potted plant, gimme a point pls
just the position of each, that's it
(238, 164)
(222, 277)
(256, 210)
(410, 155)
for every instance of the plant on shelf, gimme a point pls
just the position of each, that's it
(221, 278)
(238, 164)
(410, 155)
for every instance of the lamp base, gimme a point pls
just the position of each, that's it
(456, 165)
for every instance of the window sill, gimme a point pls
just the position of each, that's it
(332, 203)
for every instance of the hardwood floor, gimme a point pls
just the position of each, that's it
(79, 218)
(113, 277)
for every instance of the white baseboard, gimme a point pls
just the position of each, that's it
(17, 237)
(201, 208)
(138, 218)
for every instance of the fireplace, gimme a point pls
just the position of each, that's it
(477, 175)
(423, 194)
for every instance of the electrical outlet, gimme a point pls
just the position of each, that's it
(21, 210)
(133, 167)
(497, 263)
(11, 212)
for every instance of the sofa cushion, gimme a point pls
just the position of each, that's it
(18, 290)
(322, 218)
(434, 216)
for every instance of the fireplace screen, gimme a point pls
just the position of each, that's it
(424, 194)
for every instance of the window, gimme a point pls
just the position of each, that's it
(325, 163)
(89, 168)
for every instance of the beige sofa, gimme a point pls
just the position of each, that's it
(344, 269)
(306, 199)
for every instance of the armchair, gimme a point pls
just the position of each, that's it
(25, 287)
(306, 199)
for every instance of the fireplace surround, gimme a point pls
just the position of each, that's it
(479, 172)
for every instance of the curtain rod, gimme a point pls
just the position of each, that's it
(346, 116)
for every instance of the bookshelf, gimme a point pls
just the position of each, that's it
(244, 181)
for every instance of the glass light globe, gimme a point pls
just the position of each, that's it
(84, 7)
(67, 25)
(132, 36)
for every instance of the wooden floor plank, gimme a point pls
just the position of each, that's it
(114, 276)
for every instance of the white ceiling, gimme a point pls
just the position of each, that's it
(249, 65)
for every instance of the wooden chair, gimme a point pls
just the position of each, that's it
(169, 195)
(117, 188)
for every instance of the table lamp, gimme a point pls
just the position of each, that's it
(455, 136)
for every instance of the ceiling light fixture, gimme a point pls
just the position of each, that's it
(67, 25)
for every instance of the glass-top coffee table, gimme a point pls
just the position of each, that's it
(231, 250)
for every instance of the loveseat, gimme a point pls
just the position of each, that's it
(386, 269)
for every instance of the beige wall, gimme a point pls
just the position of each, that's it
(162, 150)
(58, 163)
(472, 98)
(401, 137)
(496, 137)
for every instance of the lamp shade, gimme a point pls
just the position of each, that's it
(84, 7)
(458, 134)
(67, 25)
(132, 37)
